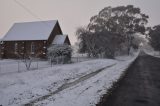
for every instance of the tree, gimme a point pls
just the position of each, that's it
(97, 43)
(111, 30)
(123, 20)
(27, 58)
(83, 35)
(61, 53)
(154, 37)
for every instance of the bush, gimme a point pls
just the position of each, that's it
(59, 53)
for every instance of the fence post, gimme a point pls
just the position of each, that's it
(0, 67)
(51, 63)
(63, 60)
(37, 63)
(57, 60)
(18, 65)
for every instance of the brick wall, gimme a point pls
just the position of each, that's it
(24, 48)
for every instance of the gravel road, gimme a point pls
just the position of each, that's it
(139, 87)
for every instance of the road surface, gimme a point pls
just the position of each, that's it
(139, 87)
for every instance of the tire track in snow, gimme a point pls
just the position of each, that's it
(67, 85)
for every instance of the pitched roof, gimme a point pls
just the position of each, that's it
(59, 39)
(39, 30)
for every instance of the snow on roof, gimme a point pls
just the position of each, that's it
(59, 39)
(39, 30)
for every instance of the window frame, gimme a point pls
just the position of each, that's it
(33, 48)
(16, 48)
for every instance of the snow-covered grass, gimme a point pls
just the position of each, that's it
(81, 59)
(18, 66)
(21, 88)
(152, 53)
(8, 66)
(89, 92)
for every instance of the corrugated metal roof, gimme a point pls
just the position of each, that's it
(39, 30)
(59, 39)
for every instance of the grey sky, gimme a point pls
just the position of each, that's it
(70, 13)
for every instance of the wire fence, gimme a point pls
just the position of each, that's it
(18, 66)
(80, 59)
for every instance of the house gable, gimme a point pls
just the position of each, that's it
(56, 31)
(61, 39)
(67, 41)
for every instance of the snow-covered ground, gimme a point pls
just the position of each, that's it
(8, 66)
(18, 66)
(78, 84)
(153, 53)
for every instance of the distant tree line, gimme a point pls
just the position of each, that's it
(112, 30)
(154, 37)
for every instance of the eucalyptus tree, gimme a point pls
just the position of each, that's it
(111, 28)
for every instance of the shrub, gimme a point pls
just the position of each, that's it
(59, 53)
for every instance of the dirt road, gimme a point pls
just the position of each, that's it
(139, 87)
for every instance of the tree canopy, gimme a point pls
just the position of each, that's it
(111, 28)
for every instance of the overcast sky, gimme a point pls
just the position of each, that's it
(70, 13)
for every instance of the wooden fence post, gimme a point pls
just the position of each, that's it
(18, 66)
(0, 67)
(37, 63)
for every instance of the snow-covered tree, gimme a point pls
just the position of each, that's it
(59, 53)
(112, 29)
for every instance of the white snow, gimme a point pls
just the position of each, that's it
(39, 30)
(59, 39)
(152, 53)
(20, 88)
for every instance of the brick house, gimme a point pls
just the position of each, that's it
(31, 38)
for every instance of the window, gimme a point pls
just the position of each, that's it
(16, 48)
(1, 42)
(32, 48)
